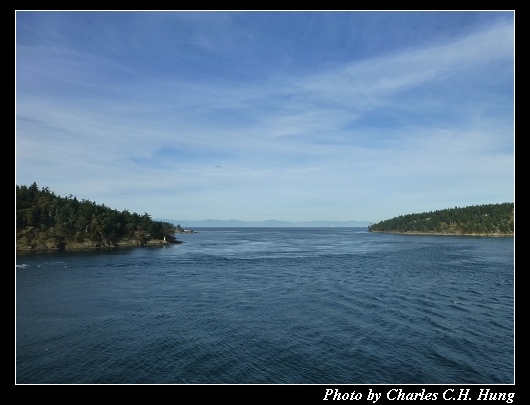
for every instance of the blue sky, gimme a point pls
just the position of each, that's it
(294, 116)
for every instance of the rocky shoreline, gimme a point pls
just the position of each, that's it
(53, 244)
(92, 245)
(491, 235)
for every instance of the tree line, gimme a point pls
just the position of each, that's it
(486, 219)
(48, 221)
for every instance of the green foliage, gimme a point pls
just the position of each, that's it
(487, 219)
(47, 221)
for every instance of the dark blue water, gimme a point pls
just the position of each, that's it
(270, 306)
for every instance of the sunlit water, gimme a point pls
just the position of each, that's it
(270, 306)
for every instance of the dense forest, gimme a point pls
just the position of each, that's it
(47, 221)
(487, 220)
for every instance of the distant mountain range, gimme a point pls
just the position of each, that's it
(212, 223)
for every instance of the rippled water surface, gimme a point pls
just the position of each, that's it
(271, 306)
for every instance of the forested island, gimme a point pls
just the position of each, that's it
(45, 221)
(476, 220)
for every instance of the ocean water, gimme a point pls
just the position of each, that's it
(270, 306)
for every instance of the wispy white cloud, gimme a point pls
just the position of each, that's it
(415, 128)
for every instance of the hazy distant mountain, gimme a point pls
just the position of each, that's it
(207, 223)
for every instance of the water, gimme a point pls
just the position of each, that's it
(270, 306)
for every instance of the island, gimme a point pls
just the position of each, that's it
(46, 221)
(476, 220)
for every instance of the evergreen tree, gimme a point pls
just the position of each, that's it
(45, 220)
(486, 219)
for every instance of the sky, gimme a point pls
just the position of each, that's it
(282, 115)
